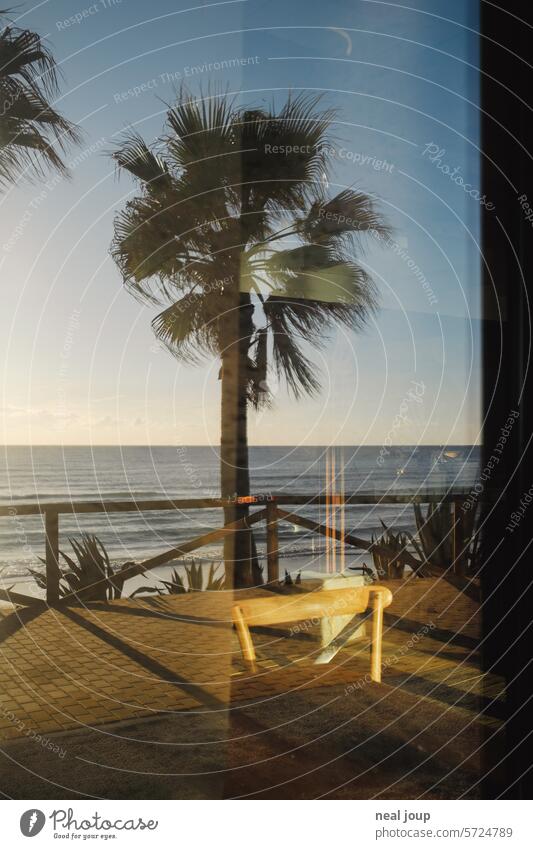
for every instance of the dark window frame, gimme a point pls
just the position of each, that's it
(507, 580)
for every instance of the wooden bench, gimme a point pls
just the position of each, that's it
(281, 609)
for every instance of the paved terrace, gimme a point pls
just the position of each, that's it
(157, 687)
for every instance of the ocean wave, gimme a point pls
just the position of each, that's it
(52, 474)
(6, 498)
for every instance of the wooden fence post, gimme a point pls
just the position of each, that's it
(462, 540)
(51, 523)
(272, 543)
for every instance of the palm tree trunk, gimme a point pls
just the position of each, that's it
(236, 335)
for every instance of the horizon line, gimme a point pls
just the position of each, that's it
(251, 445)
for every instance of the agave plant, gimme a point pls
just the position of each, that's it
(83, 575)
(289, 581)
(434, 542)
(385, 566)
(195, 581)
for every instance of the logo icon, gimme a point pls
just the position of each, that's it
(32, 822)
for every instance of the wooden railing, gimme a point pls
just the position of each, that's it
(272, 513)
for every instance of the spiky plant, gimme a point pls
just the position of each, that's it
(254, 259)
(82, 575)
(397, 543)
(436, 530)
(194, 583)
(195, 579)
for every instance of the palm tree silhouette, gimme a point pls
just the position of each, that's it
(235, 232)
(33, 135)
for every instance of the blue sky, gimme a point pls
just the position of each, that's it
(80, 361)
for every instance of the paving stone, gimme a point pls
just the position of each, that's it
(92, 666)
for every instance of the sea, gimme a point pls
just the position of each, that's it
(87, 473)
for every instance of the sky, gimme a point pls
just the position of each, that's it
(80, 363)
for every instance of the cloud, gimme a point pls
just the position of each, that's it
(42, 414)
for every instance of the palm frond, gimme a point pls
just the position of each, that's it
(258, 393)
(189, 327)
(145, 245)
(132, 154)
(24, 55)
(290, 362)
(33, 135)
(273, 179)
(349, 214)
(201, 129)
(324, 273)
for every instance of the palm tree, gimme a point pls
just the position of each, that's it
(33, 135)
(234, 231)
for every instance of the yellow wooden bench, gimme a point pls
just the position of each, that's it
(280, 609)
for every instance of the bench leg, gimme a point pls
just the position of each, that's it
(245, 638)
(377, 637)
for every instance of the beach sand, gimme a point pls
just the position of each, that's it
(303, 563)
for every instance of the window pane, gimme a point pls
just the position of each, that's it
(242, 345)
